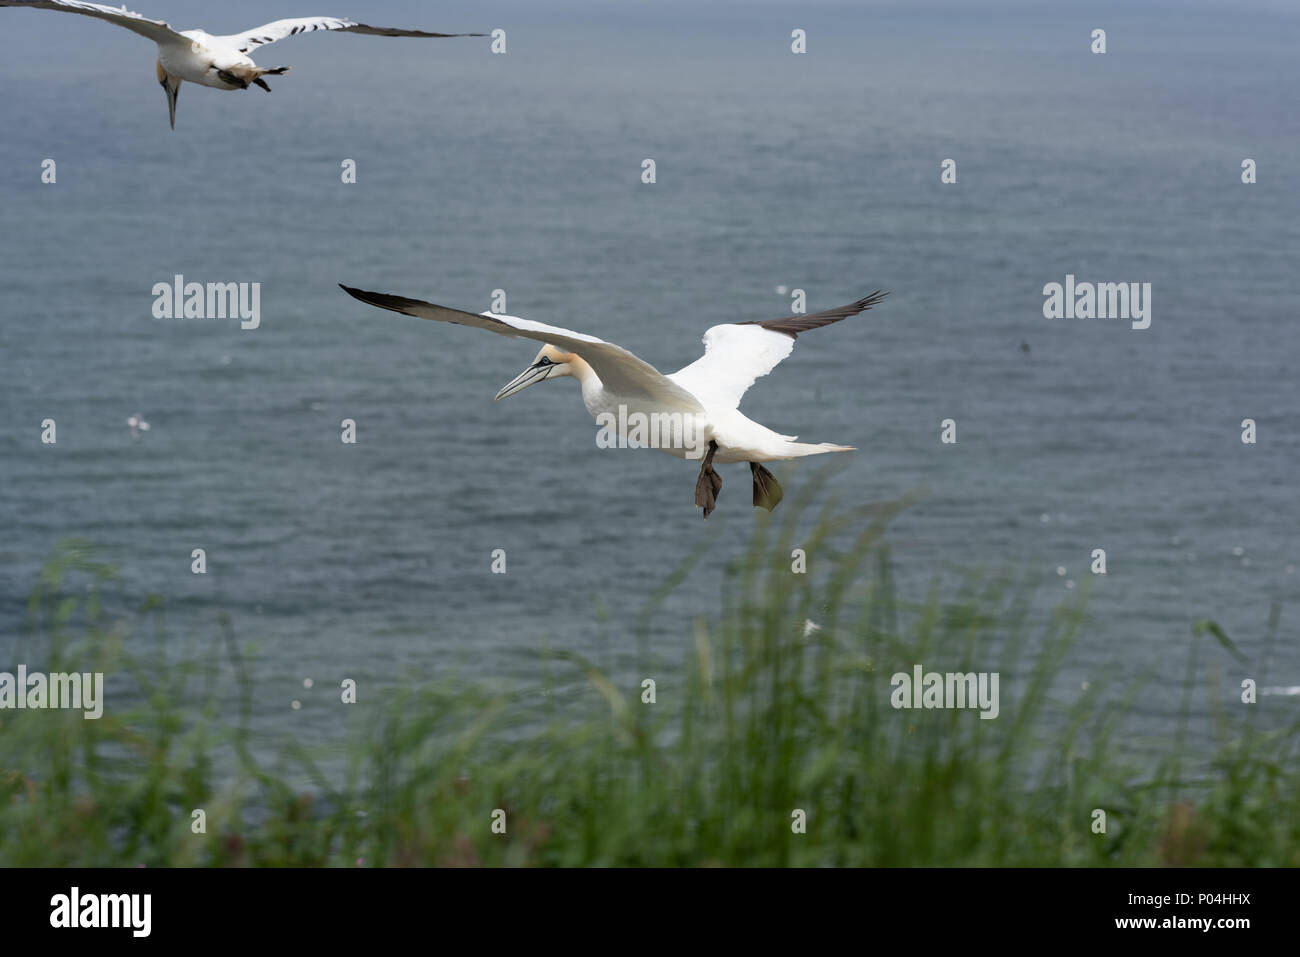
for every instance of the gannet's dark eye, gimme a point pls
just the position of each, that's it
(543, 361)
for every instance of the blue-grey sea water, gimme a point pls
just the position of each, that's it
(522, 172)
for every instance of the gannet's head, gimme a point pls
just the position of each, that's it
(171, 86)
(550, 363)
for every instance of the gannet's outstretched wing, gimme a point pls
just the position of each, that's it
(279, 29)
(155, 30)
(620, 371)
(735, 354)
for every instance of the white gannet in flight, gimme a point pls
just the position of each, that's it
(137, 424)
(219, 62)
(617, 385)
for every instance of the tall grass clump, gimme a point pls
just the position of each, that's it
(780, 713)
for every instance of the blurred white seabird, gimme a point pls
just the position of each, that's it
(137, 424)
(221, 62)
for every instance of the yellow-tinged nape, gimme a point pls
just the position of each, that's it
(555, 355)
(573, 364)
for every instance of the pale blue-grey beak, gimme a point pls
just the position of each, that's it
(530, 376)
(172, 87)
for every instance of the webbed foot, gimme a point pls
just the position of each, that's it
(767, 491)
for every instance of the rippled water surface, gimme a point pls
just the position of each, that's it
(522, 172)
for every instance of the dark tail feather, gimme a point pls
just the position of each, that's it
(274, 71)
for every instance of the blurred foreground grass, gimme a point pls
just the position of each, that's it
(769, 715)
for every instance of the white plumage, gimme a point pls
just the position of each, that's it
(618, 384)
(734, 357)
(220, 62)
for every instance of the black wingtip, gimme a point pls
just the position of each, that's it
(383, 300)
(793, 325)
